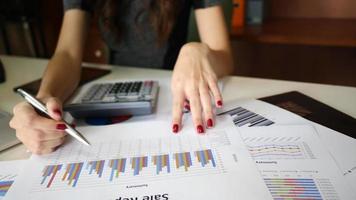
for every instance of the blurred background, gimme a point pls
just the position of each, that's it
(300, 40)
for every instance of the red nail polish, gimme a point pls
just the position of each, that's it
(219, 103)
(200, 129)
(58, 112)
(210, 123)
(61, 127)
(73, 125)
(175, 128)
(187, 107)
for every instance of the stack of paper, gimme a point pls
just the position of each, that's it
(256, 151)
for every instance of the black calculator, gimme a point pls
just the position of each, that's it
(115, 99)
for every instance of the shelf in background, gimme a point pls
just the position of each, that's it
(322, 32)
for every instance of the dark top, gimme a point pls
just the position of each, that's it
(138, 43)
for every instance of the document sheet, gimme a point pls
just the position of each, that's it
(145, 161)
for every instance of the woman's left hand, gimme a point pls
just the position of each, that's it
(194, 81)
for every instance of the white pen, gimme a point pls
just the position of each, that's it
(41, 107)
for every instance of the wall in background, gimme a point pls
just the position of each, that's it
(288, 60)
(312, 8)
(330, 65)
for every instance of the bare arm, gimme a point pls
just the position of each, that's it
(213, 32)
(198, 67)
(42, 135)
(63, 71)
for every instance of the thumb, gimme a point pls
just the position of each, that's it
(54, 107)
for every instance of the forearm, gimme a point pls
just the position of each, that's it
(61, 76)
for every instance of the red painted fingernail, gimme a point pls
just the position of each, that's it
(200, 129)
(187, 107)
(210, 123)
(219, 103)
(73, 125)
(58, 112)
(175, 128)
(61, 127)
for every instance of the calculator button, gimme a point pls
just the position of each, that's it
(91, 92)
(101, 92)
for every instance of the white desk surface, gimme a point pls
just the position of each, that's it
(20, 70)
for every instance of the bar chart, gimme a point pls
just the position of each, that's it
(293, 188)
(117, 166)
(299, 184)
(243, 117)
(4, 187)
(152, 166)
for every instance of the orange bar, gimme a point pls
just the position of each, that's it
(66, 173)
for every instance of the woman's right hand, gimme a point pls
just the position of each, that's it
(39, 134)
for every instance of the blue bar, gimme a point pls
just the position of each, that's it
(203, 159)
(123, 164)
(136, 163)
(180, 158)
(212, 157)
(159, 165)
(91, 167)
(114, 166)
(168, 165)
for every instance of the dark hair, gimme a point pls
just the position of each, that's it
(162, 15)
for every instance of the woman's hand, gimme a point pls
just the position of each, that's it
(194, 81)
(39, 134)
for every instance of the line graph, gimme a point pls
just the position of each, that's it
(276, 148)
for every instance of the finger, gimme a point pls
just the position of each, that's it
(24, 116)
(32, 120)
(54, 107)
(42, 152)
(46, 146)
(186, 106)
(214, 88)
(53, 143)
(178, 100)
(206, 104)
(39, 136)
(196, 110)
(38, 146)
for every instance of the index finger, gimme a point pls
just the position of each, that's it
(31, 119)
(177, 111)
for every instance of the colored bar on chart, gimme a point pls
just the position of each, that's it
(72, 173)
(4, 187)
(183, 159)
(97, 166)
(205, 156)
(138, 163)
(289, 188)
(161, 161)
(50, 171)
(117, 166)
